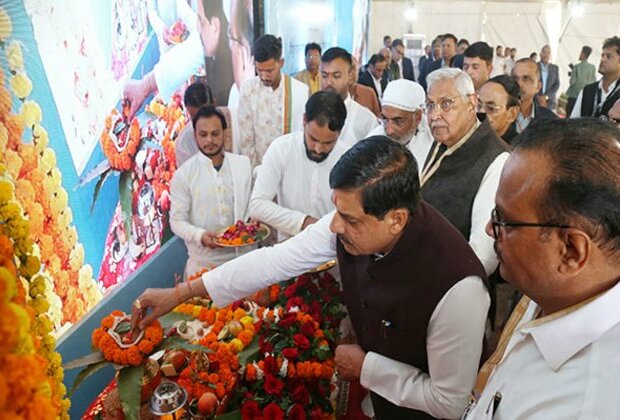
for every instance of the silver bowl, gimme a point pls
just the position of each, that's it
(167, 399)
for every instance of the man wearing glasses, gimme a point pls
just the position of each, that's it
(402, 118)
(556, 227)
(462, 169)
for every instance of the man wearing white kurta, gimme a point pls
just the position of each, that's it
(296, 168)
(270, 104)
(402, 118)
(208, 192)
(185, 145)
(380, 223)
(337, 76)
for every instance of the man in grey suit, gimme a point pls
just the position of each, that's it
(549, 78)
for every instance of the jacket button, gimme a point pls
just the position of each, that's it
(363, 303)
(365, 328)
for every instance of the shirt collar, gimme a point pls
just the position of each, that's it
(560, 336)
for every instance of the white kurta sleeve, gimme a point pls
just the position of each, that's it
(258, 269)
(454, 347)
(177, 64)
(576, 112)
(268, 182)
(180, 205)
(484, 202)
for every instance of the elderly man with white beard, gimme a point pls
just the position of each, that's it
(462, 171)
(402, 118)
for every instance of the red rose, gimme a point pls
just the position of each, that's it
(264, 346)
(326, 280)
(313, 289)
(294, 301)
(290, 353)
(308, 329)
(290, 291)
(271, 365)
(296, 412)
(273, 412)
(273, 386)
(301, 341)
(301, 395)
(316, 413)
(250, 410)
(288, 320)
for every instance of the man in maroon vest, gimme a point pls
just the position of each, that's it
(414, 289)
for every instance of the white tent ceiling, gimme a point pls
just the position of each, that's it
(525, 25)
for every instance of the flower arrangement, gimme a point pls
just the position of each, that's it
(242, 234)
(114, 340)
(296, 336)
(294, 377)
(120, 140)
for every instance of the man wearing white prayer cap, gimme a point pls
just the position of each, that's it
(402, 118)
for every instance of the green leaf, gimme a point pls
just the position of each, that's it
(170, 318)
(233, 415)
(89, 359)
(250, 353)
(126, 193)
(123, 327)
(129, 386)
(102, 179)
(85, 373)
(99, 169)
(176, 342)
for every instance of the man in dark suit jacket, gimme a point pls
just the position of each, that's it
(401, 67)
(526, 73)
(373, 76)
(550, 79)
(449, 58)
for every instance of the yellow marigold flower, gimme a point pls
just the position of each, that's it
(30, 267)
(10, 211)
(6, 190)
(14, 56)
(21, 85)
(8, 287)
(31, 113)
(6, 27)
(40, 137)
(48, 160)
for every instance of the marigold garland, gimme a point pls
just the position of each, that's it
(120, 156)
(133, 355)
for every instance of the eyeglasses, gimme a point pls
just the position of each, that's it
(488, 107)
(497, 223)
(445, 104)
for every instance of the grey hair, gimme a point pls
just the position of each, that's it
(462, 81)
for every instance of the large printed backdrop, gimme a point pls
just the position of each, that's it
(62, 72)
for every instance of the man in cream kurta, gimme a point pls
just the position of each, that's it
(296, 169)
(208, 195)
(270, 104)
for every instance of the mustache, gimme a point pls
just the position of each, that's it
(343, 239)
